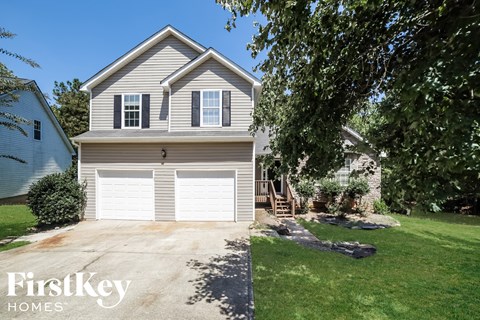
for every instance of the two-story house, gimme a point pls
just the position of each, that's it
(168, 136)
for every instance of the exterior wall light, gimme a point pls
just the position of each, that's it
(164, 153)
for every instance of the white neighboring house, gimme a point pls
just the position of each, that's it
(46, 149)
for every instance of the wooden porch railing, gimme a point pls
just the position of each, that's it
(261, 190)
(265, 193)
(273, 196)
(290, 198)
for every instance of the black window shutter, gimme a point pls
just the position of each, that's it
(226, 109)
(195, 108)
(117, 112)
(145, 111)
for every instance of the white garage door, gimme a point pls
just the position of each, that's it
(125, 194)
(205, 195)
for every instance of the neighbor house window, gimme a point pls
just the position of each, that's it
(37, 130)
(343, 174)
(210, 108)
(131, 111)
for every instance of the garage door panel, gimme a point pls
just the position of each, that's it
(205, 195)
(126, 194)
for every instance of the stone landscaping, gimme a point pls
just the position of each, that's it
(267, 225)
(6, 240)
(291, 230)
(369, 222)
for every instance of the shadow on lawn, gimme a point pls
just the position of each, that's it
(226, 280)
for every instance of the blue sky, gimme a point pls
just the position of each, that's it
(75, 39)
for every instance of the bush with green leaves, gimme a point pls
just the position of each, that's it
(57, 198)
(357, 188)
(380, 207)
(330, 188)
(336, 209)
(305, 189)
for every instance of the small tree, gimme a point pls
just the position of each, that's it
(331, 188)
(71, 107)
(305, 189)
(357, 188)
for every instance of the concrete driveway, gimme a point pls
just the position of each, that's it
(176, 271)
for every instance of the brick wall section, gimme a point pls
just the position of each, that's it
(368, 165)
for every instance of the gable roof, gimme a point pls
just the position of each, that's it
(262, 139)
(137, 51)
(353, 133)
(205, 56)
(46, 107)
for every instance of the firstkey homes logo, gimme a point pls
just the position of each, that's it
(79, 284)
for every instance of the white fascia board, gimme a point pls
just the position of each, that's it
(52, 117)
(87, 86)
(210, 53)
(163, 139)
(355, 134)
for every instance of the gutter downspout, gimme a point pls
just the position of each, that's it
(79, 160)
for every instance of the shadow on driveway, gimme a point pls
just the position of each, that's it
(226, 280)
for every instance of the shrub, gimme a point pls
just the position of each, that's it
(305, 189)
(357, 188)
(336, 209)
(380, 207)
(57, 198)
(331, 188)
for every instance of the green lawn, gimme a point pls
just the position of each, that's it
(429, 268)
(14, 221)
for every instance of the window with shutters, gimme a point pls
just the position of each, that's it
(131, 110)
(211, 108)
(37, 130)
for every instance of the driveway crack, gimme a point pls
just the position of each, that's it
(92, 262)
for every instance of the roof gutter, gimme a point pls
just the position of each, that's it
(177, 139)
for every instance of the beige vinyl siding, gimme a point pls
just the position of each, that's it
(180, 156)
(211, 75)
(142, 75)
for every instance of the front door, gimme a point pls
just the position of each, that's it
(277, 179)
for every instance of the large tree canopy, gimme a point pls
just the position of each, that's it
(71, 107)
(418, 61)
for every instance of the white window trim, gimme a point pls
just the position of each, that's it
(351, 169)
(220, 107)
(41, 130)
(123, 111)
(264, 176)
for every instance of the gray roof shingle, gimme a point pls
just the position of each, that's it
(159, 135)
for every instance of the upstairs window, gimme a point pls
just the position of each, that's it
(37, 130)
(131, 111)
(210, 108)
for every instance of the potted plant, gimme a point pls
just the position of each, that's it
(330, 189)
(356, 189)
(305, 189)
